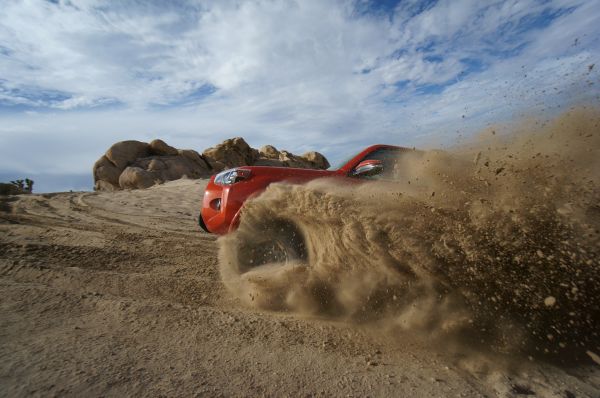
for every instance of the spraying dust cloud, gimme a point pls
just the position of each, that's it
(496, 242)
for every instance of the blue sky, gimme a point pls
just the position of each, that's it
(333, 76)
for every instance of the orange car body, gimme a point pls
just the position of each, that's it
(227, 191)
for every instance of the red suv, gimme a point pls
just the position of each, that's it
(227, 191)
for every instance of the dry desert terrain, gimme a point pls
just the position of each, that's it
(119, 294)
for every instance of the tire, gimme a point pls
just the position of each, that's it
(264, 262)
(202, 224)
(274, 242)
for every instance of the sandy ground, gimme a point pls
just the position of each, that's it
(118, 294)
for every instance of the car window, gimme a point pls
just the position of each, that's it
(389, 157)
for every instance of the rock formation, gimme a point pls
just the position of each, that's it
(230, 153)
(135, 164)
(236, 152)
(270, 156)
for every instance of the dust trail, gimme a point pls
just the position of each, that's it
(497, 242)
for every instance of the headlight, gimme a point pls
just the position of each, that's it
(229, 177)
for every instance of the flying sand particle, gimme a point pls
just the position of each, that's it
(549, 301)
(594, 356)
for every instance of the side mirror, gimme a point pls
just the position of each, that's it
(368, 168)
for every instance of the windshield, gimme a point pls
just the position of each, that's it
(386, 155)
(343, 162)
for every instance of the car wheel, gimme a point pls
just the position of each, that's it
(264, 261)
(274, 242)
(202, 224)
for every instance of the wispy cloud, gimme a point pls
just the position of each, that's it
(75, 76)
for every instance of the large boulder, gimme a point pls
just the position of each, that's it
(215, 165)
(107, 172)
(233, 152)
(123, 153)
(269, 152)
(168, 168)
(136, 177)
(159, 147)
(317, 160)
(195, 157)
(102, 185)
(291, 160)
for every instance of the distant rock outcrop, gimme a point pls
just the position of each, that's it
(270, 156)
(236, 152)
(230, 153)
(136, 164)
